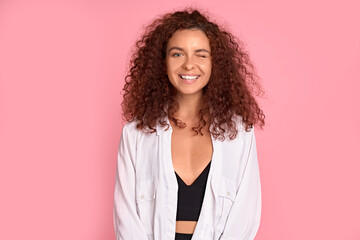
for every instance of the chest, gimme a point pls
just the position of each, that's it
(157, 156)
(190, 153)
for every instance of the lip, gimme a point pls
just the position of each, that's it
(189, 81)
(186, 74)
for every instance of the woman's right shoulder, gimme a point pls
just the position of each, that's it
(129, 133)
(130, 128)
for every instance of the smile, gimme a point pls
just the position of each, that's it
(189, 78)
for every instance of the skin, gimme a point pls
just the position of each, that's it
(188, 53)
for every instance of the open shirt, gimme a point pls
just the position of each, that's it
(145, 196)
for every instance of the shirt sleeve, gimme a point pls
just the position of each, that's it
(127, 223)
(244, 217)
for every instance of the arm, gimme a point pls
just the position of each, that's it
(127, 223)
(244, 217)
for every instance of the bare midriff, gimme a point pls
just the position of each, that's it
(187, 227)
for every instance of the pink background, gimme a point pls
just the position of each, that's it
(62, 65)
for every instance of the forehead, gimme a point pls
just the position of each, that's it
(189, 38)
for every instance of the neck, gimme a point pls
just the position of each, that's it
(189, 107)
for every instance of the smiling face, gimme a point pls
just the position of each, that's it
(188, 61)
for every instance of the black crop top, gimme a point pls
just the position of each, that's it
(190, 197)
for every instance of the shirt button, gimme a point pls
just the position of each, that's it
(228, 193)
(142, 196)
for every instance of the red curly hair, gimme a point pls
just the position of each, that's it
(149, 96)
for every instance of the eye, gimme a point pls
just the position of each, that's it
(202, 56)
(176, 54)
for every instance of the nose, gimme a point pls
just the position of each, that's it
(188, 63)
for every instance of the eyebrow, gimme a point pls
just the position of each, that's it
(180, 49)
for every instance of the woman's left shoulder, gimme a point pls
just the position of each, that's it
(242, 134)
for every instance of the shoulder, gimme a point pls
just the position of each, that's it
(242, 134)
(130, 127)
(130, 131)
(247, 138)
(239, 123)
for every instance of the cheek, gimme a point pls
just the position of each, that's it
(207, 68)
(206, 65)
(171, 67)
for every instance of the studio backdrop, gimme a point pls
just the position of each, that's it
(62, 69)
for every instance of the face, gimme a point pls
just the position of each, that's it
(188, 61)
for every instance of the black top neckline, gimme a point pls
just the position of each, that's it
(197, 179)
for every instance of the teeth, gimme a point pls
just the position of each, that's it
(188, 77)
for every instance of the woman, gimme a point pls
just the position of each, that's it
(187, 161)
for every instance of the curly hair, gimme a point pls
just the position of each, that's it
(149, 96)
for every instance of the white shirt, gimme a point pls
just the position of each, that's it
(145, 197)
